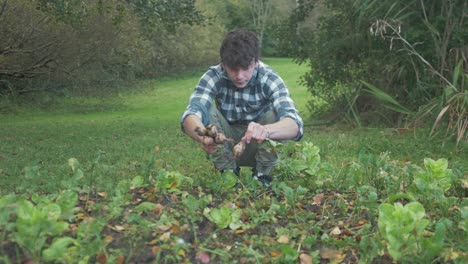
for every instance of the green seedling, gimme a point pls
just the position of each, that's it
(224, 217)
(403, 229)
(436, 177)
(36, 224)
(305, 159)
(292, 195)
(223, 182)
(171, 181)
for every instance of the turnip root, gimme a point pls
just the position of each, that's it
(212, 132)
(221, 138)
(239, 149)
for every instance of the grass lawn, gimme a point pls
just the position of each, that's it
(150, 194)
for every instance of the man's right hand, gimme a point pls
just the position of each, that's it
(208, 144)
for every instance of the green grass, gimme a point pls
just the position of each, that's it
(130, 146)
(127, 128)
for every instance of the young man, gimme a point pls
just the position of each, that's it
(247, 101)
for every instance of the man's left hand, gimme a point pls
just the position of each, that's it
(255, 131)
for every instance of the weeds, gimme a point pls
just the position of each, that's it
(148, 197)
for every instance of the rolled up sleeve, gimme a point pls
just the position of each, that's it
(200, 101)
(283, 104)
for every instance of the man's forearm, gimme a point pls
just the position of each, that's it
(284, 129)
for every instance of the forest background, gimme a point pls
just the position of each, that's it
(393, 63)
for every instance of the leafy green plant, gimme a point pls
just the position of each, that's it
(171, 181)
(403, 229)
(36, 224)
(292, 195)
(436, 177)
(367, 199)
(302, 160)
(224, 216)
(222, 182)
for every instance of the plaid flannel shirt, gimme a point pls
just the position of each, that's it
(265, 91)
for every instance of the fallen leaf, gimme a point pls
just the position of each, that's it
(164, 227)
(158, 209)
(284, 239)
(118, 228)
(120, 260)
(155, 250)
(181, 253)
(318, 199)
(305, 259)
(465, 184)
(275, 254)
(347, 232)
(175, 229)
(152, 242)
(361, 222)
(102, 194)
(164, 237)
(202, 257)
(108, 239)
(336, 231)
(174, 184)
(101, 258)
(335, 256)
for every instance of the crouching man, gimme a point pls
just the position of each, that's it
(247, 101)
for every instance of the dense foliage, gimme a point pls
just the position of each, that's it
(57, 45)
(51, 44)
(409, 52)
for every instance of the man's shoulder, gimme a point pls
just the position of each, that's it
(265, 70)
(215, 71)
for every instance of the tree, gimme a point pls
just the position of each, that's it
(261, 14)
(58, 41)
(419, 61)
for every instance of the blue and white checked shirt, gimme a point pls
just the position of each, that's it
(265, 91)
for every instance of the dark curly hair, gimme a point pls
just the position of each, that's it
(239, 48)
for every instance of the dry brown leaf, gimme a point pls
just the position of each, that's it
(152, 242)
(284, 239)
(318, 199)
(155, 250)
(305, 259)
(118, 228)
(158, 209)
(120, 260)
(465, 183)
(275, 254)
(164, 237)
(164, 227)
(335, 256)
(101, 258)
(108, 239)
(335, 231)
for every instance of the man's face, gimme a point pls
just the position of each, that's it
(240, 76)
